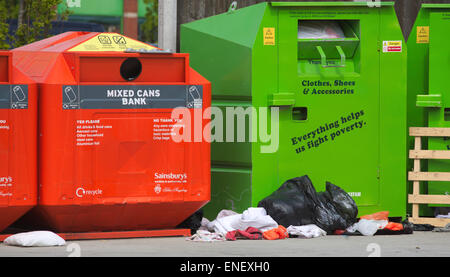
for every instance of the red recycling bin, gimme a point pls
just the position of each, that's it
(107, 159)
(18, 142)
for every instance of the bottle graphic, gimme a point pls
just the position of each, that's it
(18, 92)
(70, 94)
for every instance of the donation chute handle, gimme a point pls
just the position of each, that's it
(323, 57)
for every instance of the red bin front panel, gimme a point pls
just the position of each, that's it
(118, 167)
(18, 143)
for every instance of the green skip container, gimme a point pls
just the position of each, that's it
(333, 74)
(428, 91)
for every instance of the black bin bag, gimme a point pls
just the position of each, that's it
(297, 203)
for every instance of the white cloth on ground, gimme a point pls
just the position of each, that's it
(222, 213)
(35, 238)
(306, 231)
(206, 236)
(252, 217)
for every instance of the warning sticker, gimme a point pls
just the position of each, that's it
(423, 34)
(110, 42)
(392, 46)
(269, 36)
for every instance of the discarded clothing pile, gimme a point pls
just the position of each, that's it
(377, 224)
(306, 231)
(277, 233)
(306, 212)
(296, 203)
(252, 224)
(249, 233)
(252, 217)
(206, 236)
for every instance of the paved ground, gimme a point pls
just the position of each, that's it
(420, 244)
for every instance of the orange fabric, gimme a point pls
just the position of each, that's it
(277, 233)
(394, 226)
(339, 232)
(376, 216)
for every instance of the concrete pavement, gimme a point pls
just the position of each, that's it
(419, 244)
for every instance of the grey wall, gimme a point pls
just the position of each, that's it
(190, 10)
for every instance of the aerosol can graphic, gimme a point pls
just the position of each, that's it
(18, 92)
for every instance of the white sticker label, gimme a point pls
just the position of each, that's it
(355, 194)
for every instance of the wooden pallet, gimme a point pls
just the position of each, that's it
(417, 176)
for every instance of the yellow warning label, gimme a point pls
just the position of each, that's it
(269, 36)
(423, 34)
(110, 42)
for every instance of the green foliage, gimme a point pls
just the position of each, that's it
(35, 17)
(149, 29)
(3, 25)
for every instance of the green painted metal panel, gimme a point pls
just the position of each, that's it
(232, 190)
(417, 85)
(393, 110)
(439, 72)
(428, 93)
(342, 102)
(221, 46)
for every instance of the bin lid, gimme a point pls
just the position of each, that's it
(110, 42)
(86, 42)
(61, 58)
